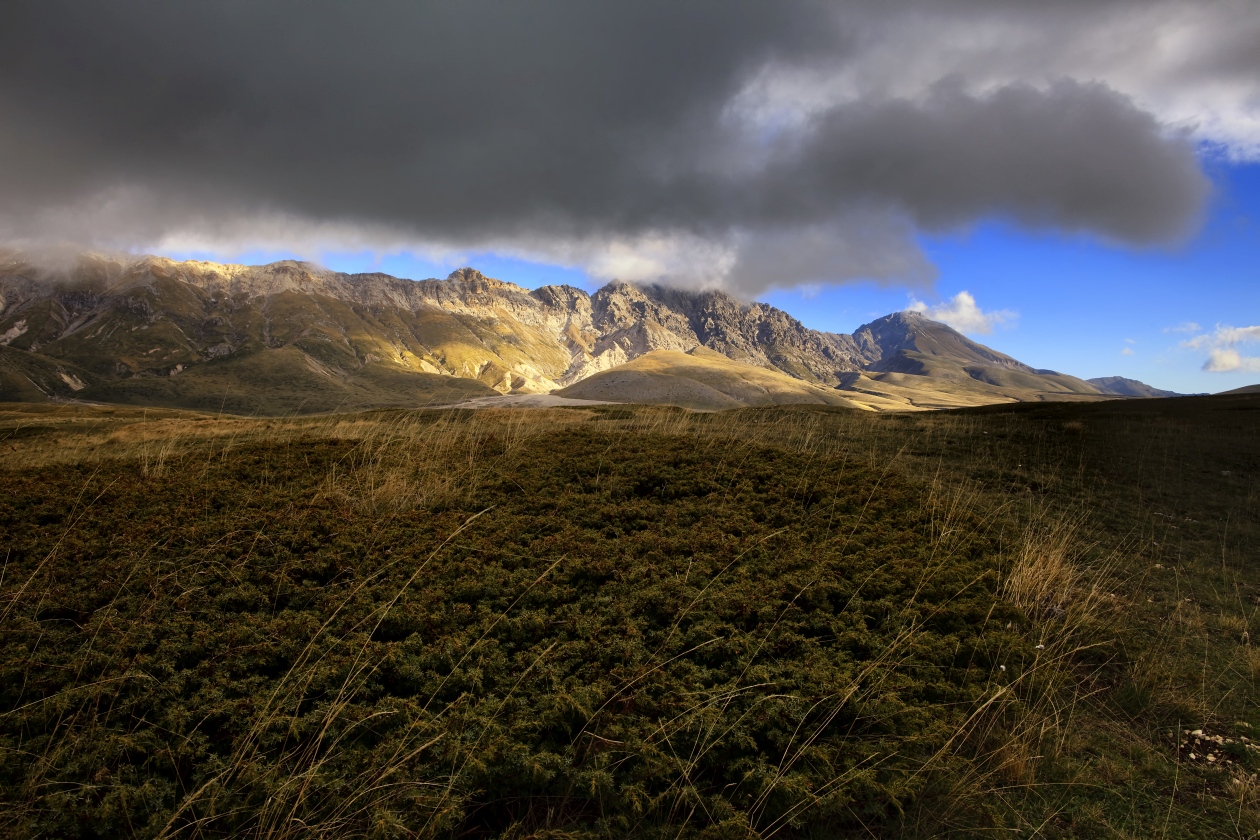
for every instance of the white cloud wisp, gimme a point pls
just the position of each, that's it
(1222, 346)
(962, 313)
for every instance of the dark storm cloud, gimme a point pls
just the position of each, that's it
(446, 115)
(613, 135)
(1071, 157)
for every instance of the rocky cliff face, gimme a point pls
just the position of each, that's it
(152, 315)
(101, 320)
(755, 333)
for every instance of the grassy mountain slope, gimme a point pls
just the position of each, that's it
(286, 380)
(704, 379)
(948, 376)
(919, 363)
(940, 392)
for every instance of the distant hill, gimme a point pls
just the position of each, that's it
(929, 364)
(292, 337)
(1246, 389)
(1120, 386)
(705, 379)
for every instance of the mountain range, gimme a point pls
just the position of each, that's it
(1128, 387)
(294, 337)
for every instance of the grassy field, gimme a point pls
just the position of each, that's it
(611, 621)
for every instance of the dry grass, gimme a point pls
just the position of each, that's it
(1067, 680)
(398, 463)
(1048, 579)
(1251, 662)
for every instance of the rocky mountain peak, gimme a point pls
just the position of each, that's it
(562, 297)
(473, 278)
(904, 332)
(293, 268)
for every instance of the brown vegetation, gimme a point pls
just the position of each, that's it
(617, 621)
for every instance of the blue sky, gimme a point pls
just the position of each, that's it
(1081, 303)
(1076, 304)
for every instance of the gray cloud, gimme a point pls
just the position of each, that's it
(747, 145)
